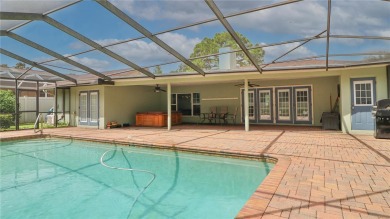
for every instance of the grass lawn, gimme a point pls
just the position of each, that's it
(31, 126)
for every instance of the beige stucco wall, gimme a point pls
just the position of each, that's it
(323, 87)
(123, 102)
(74, 104)
(379, 73)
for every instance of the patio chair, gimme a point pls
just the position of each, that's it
(223, 112)
(232, 117)
(212, 116)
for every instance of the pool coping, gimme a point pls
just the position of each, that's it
(255, 205)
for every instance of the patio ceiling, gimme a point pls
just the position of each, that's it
(109, 40)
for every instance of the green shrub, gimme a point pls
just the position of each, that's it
(6, 120)
(7, 101)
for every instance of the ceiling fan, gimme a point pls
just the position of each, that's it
(158, 89)
(249, 85)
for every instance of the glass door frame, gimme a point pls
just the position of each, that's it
(290, 104)
(309, 102)
(88, 121)
(271, 105)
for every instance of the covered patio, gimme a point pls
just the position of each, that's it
(319, 174)
(288, 64)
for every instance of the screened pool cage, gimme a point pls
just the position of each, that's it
(36, 93)
(71, 43)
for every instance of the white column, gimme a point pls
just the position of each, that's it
(246, 105)
(169, 106)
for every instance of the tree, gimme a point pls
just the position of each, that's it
(212, 45)
(20, 65)
(4, 65)
(7, 108)
(157, 70)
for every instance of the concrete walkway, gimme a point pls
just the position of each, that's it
(319, 174)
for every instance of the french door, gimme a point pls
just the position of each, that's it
(89, 108)
(290, 104)
(302, 105)
(283, 105)
(265, 105)
(363, 98)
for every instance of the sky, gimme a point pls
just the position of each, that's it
(288, 22)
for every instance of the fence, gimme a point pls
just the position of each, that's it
(29, 104)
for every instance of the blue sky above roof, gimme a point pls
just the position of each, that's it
(292, 21)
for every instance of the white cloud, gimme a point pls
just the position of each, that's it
(306, 18)
(178, 10)
(96, 64)
(360, 17)
(274, 52)
(148, 53)
(31, 6)
(78, 45)
(181, 43)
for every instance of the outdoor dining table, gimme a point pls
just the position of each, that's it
(212, 117)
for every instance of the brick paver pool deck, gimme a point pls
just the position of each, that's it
(318, 174)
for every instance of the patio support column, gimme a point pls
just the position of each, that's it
(16, 105)
(169, 106)
(246, 105)
(55, 105)
(37, 101)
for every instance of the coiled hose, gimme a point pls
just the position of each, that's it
(129, 169)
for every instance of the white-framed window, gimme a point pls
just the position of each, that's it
(195, 104)
(284, 104)
(186, 103)
(302, 104)
(265, 104)
(173, 102)
(251, 104)
(363, 93)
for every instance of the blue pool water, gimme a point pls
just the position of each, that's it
(62, 178)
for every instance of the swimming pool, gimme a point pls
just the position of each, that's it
(63, 178)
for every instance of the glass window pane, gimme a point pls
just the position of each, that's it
(357, 87)
(196, 110)
(184, 104)
(173, 99)
(196, 98)
(94, 106)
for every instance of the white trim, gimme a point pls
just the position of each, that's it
(307, 118)
(285, 118)
(274, 100)
(86, 106)
(192, 102)
(96, 93)
(266, 117)
(220, 98)
(253, 104)
(371, 82)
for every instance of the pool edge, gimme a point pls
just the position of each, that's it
(254, 207)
